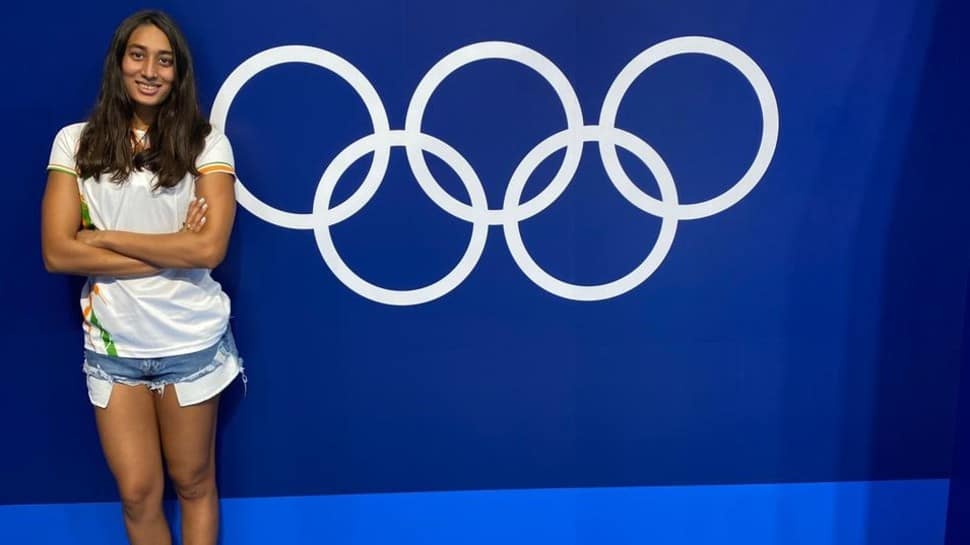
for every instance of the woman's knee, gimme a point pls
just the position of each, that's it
(140, 497)
(193, 482)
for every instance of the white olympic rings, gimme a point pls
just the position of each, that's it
(415, 142)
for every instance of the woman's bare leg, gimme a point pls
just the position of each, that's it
(188, 443)
(128, 428)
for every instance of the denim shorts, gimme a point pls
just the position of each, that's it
(195, 377)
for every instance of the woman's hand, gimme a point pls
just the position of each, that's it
(194, 221)
(195, 217)
(201, 241)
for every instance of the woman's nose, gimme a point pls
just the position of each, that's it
(148, 69)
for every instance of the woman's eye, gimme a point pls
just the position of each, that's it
(136, 55)
(165, 61)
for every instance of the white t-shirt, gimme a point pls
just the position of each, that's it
(176, 311)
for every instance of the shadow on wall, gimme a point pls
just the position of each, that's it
(899, 394)
(913, 369)
(958, 514)
(897, 315)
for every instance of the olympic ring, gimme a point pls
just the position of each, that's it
(494, 50)
(769, 130)
(324, 59)
(415, 142)
(322, 212)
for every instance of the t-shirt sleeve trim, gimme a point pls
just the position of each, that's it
(62, 168)
(216, 166)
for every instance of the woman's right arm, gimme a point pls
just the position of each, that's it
(63, 253)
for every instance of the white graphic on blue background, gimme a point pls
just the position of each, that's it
(481, 217)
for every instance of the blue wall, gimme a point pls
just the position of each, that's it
(810, 333)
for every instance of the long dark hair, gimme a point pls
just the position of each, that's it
(177, 136)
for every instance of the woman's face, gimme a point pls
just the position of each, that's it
(148, 67)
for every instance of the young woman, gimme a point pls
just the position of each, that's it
(140, 200)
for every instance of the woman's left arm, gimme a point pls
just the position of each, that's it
(185, 249)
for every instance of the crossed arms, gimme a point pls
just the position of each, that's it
(70, 250)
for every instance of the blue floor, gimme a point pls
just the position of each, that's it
(844, 513)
